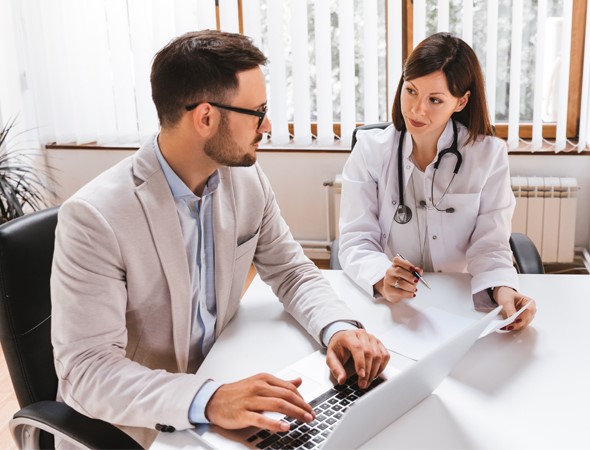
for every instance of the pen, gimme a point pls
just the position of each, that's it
(415, 273)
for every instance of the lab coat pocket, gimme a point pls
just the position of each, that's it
(459, 225)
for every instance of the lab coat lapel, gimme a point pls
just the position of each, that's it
(160, 211)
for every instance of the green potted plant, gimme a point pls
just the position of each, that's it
(24, 187)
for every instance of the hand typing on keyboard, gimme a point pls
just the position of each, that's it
(240, 404)
(329, 406)
(368, 353)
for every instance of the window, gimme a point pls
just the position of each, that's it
(333, 63)
(524, 46)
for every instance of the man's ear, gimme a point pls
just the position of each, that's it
(463, 101)
(205, 120)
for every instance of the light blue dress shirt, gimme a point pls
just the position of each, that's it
(195, 216)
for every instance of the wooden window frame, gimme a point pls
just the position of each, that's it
(525, 128)
(575, 74)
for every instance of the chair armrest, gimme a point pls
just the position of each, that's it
(61, 420)
(525, 254)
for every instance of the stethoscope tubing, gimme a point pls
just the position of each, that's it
(403, 213)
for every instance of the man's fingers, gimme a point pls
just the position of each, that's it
(336, 366)
(381, 354)
(282, 406)
(239, 404)
(260, 421)
(283, 392)
(364, 364)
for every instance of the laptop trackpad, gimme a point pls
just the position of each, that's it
(314, 373)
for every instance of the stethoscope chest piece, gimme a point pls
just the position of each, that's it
(403, 214)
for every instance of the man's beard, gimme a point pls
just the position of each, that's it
(222, 148)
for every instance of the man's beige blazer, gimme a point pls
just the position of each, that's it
(121, 292)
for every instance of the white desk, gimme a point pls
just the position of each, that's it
(520, 390)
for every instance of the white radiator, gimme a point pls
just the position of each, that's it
(545, 212)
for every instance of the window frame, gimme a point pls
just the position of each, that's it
(575, 74)
(525, 128)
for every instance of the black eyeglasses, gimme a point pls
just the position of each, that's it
(251, 112)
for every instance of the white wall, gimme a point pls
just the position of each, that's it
(10, 90)
(297, 179)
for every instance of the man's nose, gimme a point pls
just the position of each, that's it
(265, 126)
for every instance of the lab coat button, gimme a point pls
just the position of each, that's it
(384, 236)
(434, 237)
(408, 167)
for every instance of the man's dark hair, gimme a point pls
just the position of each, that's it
(198, 67)
(456, 59)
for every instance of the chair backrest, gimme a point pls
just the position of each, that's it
(526, 255)
(370, 126)
(26, 253)
(334, 247)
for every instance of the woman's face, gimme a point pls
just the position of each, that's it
(427, 105)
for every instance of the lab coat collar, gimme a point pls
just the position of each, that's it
(444, 141)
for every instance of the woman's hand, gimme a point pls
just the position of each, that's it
(399, 281)
(511, 301)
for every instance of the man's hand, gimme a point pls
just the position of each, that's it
(240, 404)
(368, 353)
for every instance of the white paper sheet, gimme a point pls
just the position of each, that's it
(415, 336)
(495, 325)
(418, 334)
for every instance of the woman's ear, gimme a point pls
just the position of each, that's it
(463, 101)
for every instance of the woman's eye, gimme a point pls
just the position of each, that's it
(410, 91)
(435, 100)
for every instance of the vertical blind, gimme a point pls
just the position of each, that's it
(330, 62)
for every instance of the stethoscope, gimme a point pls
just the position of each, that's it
(403, 213)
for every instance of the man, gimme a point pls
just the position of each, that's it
(151, 257)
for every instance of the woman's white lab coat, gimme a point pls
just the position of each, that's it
(474, 239)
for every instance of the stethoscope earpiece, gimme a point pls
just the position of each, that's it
(422, 204)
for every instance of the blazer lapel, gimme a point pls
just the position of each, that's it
(225, 238)
(160, 211)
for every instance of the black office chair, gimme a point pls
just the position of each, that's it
(26, 252)
(526, 256)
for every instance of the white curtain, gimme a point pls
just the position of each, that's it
(526, 73)
(87, 63)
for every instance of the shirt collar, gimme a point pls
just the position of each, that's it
(177, 186)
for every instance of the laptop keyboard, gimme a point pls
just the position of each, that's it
(329, 407)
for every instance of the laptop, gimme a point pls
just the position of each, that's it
(347, 416)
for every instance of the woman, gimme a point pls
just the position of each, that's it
(434, 186)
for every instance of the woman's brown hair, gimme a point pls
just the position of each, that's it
(457, 60)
